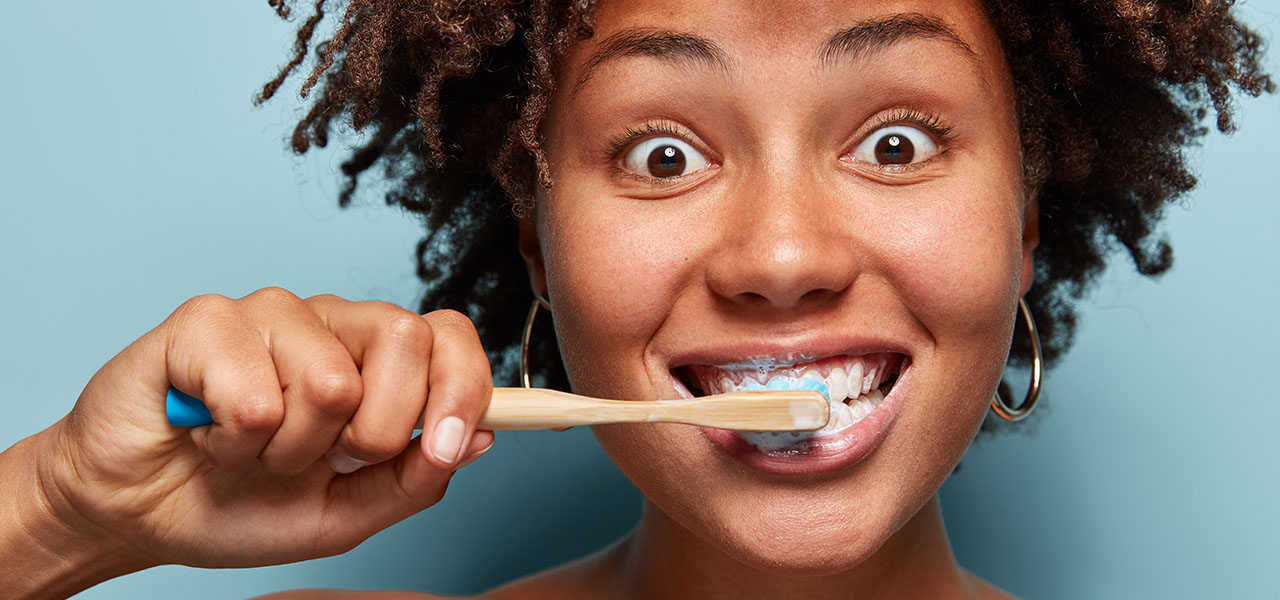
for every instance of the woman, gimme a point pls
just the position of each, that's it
(705, 193)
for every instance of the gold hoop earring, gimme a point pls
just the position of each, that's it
(1009, 413)
(528, 335)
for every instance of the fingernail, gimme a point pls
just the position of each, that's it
(343, 464)
(446, 440)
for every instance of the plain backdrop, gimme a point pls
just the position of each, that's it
(135, 174)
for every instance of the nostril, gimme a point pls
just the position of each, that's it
(782, 279)
(818, 295)
(752, 298)
(780, 299)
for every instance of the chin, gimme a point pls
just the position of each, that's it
(808, 532)
(802, 557)
(790, 528)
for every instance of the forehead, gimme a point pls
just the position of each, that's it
(743, 33)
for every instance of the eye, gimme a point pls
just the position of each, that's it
(896, 145)
(664, 157)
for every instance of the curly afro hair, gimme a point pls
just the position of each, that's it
(450, 94)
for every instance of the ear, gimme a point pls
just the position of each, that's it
(1030, 239)
(531, 250)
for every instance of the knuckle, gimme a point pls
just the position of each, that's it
(451, 319)
(333, 390)
(256, 413)
(203, 307)
(469, 391)
(325, 299)
(272, 295)
(405, 328)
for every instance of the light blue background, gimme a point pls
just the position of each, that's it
(135, 175)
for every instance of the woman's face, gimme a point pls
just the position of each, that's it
(786, 192)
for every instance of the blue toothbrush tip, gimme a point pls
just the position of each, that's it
(782, 384)
(185, 410)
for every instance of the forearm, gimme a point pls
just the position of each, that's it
(44, 551)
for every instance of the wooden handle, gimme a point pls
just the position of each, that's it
(761, 410)
(536, 408)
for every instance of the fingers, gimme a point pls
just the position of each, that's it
(320, 383)
(392, 347)
(214, 351)
(381, 495)
(481, 442)
(289, 381)
(408, 363)
(459, 384)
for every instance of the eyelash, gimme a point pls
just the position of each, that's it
(931, 123)
(621, 143)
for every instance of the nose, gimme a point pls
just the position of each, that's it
(786, 244)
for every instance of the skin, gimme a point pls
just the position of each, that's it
(745, 257)
(786, 244)
(111, 488)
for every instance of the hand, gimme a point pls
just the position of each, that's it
(314, 404)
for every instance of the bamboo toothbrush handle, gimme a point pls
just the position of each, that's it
(537, 408)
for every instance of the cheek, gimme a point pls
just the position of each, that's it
(956, 258)
(956, 261)
(612, 276)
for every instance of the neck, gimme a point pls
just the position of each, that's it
(664, 560)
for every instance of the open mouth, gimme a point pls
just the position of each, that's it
(855, 386)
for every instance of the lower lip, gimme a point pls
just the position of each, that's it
(820, 455)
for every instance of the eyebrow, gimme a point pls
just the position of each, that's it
(672, 46)
(852, 43)
(869, 37)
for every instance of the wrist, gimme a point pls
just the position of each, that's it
(48, 547)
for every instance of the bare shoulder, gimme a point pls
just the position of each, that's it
(317, 594)
(591, 576)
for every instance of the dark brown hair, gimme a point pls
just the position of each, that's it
(450, 94)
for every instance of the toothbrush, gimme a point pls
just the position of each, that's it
(537, 408)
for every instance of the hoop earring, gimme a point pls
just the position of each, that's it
(528, 335)
(1009, 413)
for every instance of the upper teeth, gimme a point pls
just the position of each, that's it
(848, 378)
(852, 385)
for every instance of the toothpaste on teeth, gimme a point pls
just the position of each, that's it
(852, 383)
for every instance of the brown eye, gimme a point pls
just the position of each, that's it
(666, 161)
(896, 145)
(894, 149)
(664, 158)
